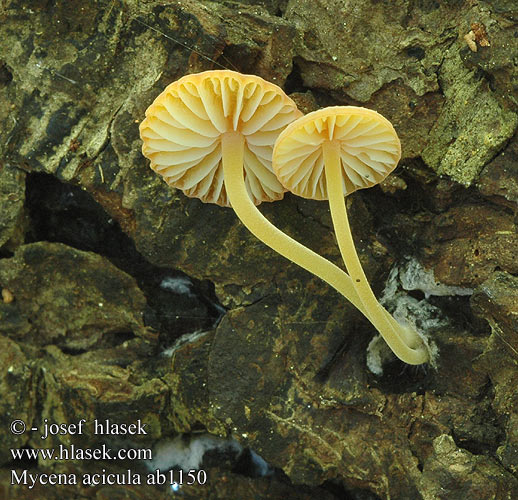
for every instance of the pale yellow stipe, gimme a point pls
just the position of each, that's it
(232, 144)
(405, 343)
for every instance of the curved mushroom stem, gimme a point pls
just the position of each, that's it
(232, 144)
(404, 342)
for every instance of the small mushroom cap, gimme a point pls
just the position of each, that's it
(369, 150)
(183, 128)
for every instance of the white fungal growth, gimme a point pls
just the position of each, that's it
(187, 338)
(422, 316)
(414, 276)
(187, 452)
(179, 284)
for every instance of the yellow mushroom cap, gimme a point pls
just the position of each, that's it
(183, 128)
(369, 150)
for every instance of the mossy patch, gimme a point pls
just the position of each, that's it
(472, 126)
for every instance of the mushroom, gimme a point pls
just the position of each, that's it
(211, 135)
(328, 154)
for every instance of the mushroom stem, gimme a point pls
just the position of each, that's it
(232, 145)
(404, 342)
